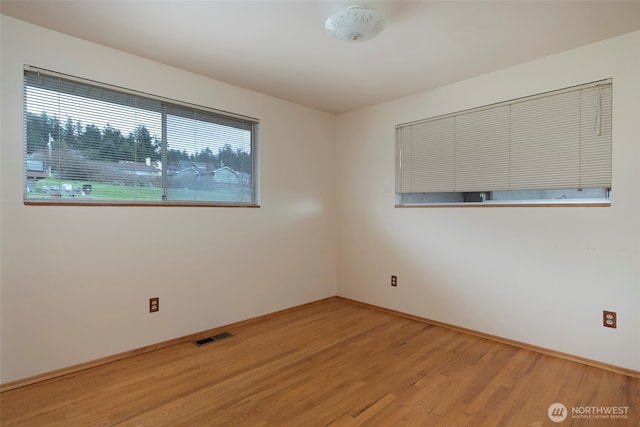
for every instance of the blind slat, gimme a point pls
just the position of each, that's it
(482, 150)
(545, 142)
(432, 156)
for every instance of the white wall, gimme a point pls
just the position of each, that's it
(75, 281)
(535, 275)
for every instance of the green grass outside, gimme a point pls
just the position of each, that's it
(101, 191)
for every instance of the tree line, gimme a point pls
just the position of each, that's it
(45, 133)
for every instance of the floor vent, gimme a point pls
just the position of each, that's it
(213, 338)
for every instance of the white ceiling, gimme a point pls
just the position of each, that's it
(280, 48)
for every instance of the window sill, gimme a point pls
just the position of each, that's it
(137, 204)
(515, 204)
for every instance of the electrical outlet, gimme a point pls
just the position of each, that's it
(154, 305)
(609, 319)
(394, 281)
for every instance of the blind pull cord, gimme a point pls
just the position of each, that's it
(598, 121)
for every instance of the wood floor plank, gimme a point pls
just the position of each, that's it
(334, 363)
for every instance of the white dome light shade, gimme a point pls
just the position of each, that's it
(355, 23)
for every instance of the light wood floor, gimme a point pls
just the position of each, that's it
(332, 363)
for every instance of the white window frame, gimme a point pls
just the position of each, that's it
(549, 149)
(71, 191)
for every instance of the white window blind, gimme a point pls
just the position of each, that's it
(560, 139)
(427, 153)
(482, 149)
(88, 142)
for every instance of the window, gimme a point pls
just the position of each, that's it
(91, 143)
(551, 148)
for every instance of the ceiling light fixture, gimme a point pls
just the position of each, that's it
(355, 23)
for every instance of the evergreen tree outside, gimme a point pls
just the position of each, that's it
(91, 143)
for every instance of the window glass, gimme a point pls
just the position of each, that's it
(90, 143)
